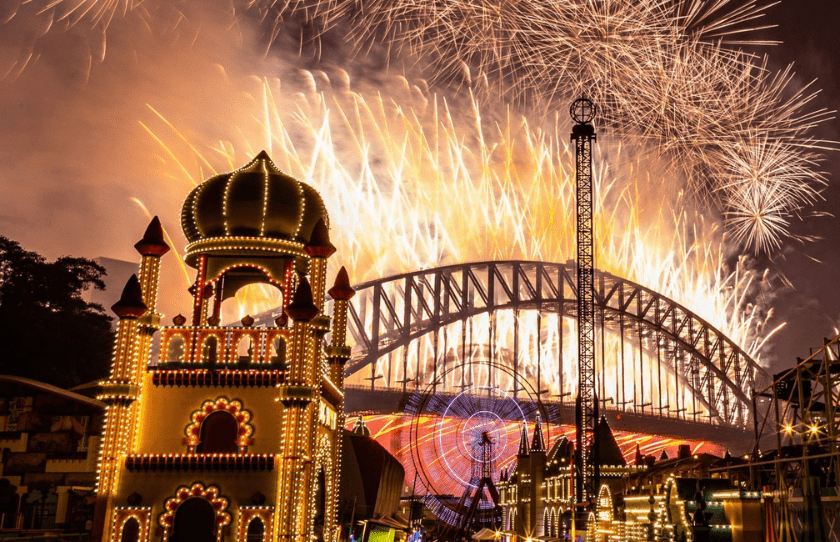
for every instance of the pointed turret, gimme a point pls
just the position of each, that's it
(131, 303)
(153, 242)
(319, 245)
(538, 444)
(341, 289)
(663, 456)
(524, 451)
(605, 451)
(302, 308)
(639, 459)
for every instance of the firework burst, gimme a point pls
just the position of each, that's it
(668, 72)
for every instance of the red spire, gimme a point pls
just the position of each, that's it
(319, 245)
(152, 243)
(639, 459)
(524, 451)
(302, 308)
(538, 444)
(131, 303)
(341, 289)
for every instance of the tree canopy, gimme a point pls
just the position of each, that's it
(48, 332)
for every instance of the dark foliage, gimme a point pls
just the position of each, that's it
(47, 331)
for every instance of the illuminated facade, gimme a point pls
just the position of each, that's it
(234, 432)
(537, 495)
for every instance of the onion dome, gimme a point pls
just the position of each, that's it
(302, 308)
(254, 208)
(341, 289)
(319, 245)
(152, 243)
(131, 303)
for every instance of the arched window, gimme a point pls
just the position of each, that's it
(244, 350)
(210, 354)
(195, 521)
(219, 434)
(175, 350)
(130, 531)
(256, 531)
(278, 351)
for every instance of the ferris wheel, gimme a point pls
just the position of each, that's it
(460, 442)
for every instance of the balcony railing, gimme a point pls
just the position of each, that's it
(231, 347)
(200, 462)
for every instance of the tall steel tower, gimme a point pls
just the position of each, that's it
(583, 134)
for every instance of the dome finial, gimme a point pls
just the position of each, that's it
(131, 303)
(319, 244)
(302, 308)
(153, 242)
(341, 289)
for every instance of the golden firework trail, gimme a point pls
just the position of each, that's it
(414, 182)
(670, 73)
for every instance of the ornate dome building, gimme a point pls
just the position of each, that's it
(233, 432)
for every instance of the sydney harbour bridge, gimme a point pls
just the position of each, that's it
(659, 366)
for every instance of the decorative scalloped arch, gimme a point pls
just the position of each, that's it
(243, 417)
(123, 515)
(195, 491)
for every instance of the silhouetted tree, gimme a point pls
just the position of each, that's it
(47, 331)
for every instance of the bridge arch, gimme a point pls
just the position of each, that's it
(655, 356)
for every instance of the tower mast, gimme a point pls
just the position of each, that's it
(583, 134)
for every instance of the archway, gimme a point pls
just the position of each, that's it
(210, 352)
(256, 531)
(130, 531)
(175, 350)
(195, 521)
(219, 434)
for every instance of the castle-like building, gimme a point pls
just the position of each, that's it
(232, 432)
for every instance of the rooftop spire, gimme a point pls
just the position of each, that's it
(302, 308)
(524, 451)
(319, 244)
(538, 444)
(131, 303)
(341, 288)
(152, 243)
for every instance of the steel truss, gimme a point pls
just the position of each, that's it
(797, 415)
(711, 375)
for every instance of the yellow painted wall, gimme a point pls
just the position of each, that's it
(166, 412)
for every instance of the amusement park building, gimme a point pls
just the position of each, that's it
(536, 496)
(235, 432)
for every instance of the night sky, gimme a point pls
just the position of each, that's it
(808, 31)
(74, 152)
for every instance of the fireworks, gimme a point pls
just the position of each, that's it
(417, 177)
(414, 182)
(669, 73)
(665, 72)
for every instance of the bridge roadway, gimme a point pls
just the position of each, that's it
(392, 401)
